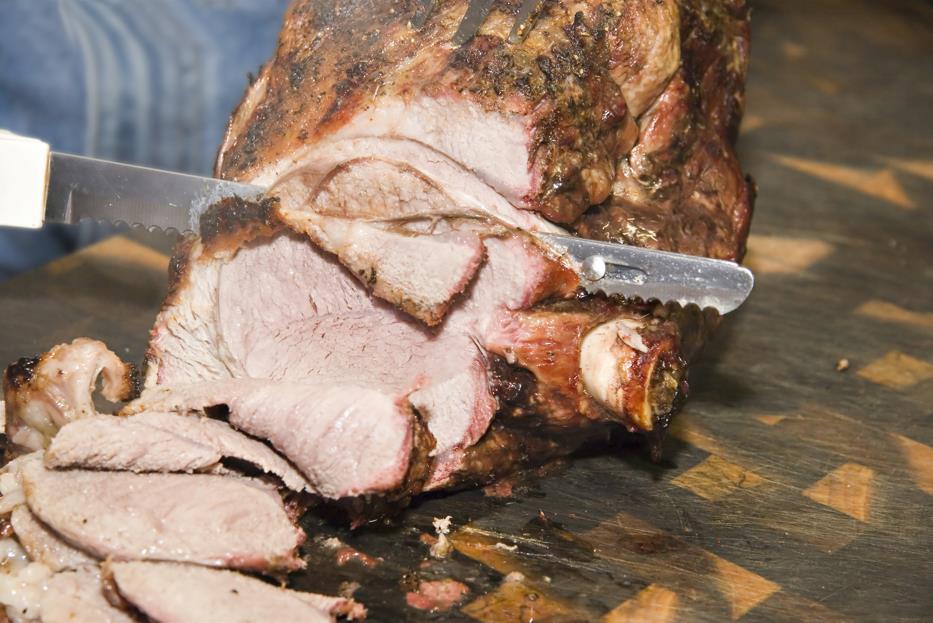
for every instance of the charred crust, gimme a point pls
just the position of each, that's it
(362, 509)
(419, 467)
(18, 379)
(513, 387)
(297, 504)
(20, 374)
(693, 199)
(132, 381)
(509, 446)
(229, 223)
(178, 269)
(332, 59)
(656, 376)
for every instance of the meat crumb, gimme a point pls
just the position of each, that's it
(500, 489)
(842, 365)
(346, 554)
(437, 595)
(347, 589)
(443, 546)
(332, 543)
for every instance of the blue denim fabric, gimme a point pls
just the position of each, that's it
(143, 81)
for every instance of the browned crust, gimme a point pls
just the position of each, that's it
(19, 375)
(224, 227)
(684, 190)
(133, 382)
(241, 114)
(362, 508)
(512, 445)
(716, 42)
(108, 587)
(419, 468)
(232, 222)
(332, 56)
(657, 377)
(179, 269)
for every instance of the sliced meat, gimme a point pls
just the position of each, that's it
(22, 583)
(10, 484)
(316, 324)
(419, 273)
(410, 232)
(77, 597)
(389, 148)
(163, 442)
(43, 393)
(378, 178)
(347, 440)
(43, 545)
(177, 593)
(124, 444)
(229, 442)
(212, 520)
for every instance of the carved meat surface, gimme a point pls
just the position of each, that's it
(386, 321)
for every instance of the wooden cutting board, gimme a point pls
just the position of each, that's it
(797, 483)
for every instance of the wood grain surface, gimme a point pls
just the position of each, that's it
(797, 483)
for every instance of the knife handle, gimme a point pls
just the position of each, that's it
(24, 180)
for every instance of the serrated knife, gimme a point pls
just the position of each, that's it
(634, 272)
(38, 186)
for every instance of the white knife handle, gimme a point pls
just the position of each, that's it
(24, 180)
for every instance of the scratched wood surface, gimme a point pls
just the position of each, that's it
(789, 490)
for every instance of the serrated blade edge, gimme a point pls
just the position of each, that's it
(648, 274)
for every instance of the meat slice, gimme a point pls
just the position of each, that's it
(211, 520)
(43, 393)
(404, 219)
(45, 546)
(124, 444)
(77, 597)
(163, 442)
(229, 442)
(420, 274)
(178, 593)
(347, 440)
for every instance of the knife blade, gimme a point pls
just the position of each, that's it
(36, 187)
(635, 272)
(87, 188)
